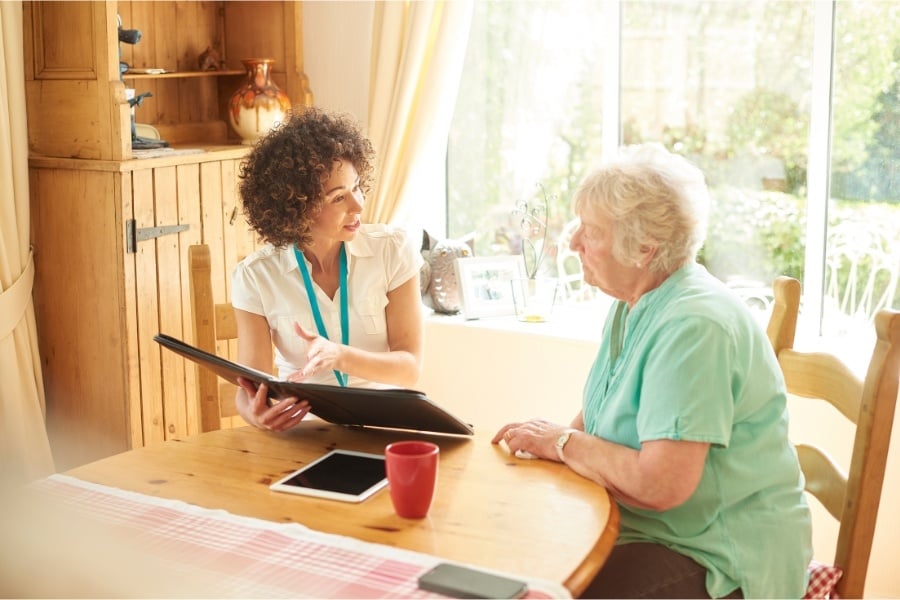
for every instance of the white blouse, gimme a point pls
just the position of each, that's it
(269, 283)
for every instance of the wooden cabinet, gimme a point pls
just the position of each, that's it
(111, 241)
(111, 231)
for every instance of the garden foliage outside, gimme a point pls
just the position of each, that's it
(757, 230)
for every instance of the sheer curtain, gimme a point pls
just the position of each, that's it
(24, 448)
(418, 49)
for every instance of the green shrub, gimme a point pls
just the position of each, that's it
(754, 235)
(758, 235)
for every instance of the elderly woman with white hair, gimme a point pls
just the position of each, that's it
(683, 415)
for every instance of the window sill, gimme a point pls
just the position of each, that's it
(577, 323)
(583, 323)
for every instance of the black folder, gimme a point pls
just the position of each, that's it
(393, 408)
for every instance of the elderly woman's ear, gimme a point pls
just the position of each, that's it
(647, 254)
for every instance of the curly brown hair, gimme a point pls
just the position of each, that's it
(282, 180)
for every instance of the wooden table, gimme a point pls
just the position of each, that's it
(490, 509)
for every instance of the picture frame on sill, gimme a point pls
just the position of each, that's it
(485, 284)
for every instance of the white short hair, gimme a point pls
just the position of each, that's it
(653, 197)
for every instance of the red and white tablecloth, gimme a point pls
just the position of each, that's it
(253, 558)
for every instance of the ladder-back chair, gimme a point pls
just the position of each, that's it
(852, 497)
(212, 323)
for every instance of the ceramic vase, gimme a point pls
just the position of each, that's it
(258, 105)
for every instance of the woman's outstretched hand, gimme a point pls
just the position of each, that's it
(323, 355)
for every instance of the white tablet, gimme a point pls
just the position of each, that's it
(339, 475)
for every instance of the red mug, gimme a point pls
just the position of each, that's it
(411, 468)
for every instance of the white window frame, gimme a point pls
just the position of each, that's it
(818, 182)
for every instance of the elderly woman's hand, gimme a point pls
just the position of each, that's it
(537, 437)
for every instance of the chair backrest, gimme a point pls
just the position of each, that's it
(212, 323)
(869, 403)
(785, 310)
(568, 266)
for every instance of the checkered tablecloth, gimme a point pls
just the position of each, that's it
(253, 558)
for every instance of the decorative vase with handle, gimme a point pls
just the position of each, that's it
(258, 105)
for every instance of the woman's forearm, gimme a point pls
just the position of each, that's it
(397, 367)
(661, 475)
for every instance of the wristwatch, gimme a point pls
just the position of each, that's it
(561, 442)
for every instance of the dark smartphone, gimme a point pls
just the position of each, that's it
(464, 582)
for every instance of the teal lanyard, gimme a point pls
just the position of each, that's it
(314, 304)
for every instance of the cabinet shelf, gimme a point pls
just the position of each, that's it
(183, 74)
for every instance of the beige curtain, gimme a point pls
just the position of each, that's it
(418, 49)
(24, 448)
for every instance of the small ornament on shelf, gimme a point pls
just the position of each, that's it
(133, 36)
(210, 60)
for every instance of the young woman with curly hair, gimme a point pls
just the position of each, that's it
(339, 300)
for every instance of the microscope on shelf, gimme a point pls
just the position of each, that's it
(133, 36)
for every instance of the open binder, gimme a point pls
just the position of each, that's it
(393, 408)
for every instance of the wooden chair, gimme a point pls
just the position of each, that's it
(853, 497)
(785, 309)
(212, 323)
(569, 269)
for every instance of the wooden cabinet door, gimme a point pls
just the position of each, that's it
(75, 99)
(79, 306)
(202, 196)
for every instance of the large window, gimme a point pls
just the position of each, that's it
(528, 118)
(790, 108)
(862, 254)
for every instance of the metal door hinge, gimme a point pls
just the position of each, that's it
(133, 235)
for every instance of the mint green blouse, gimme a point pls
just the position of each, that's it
(695, 365)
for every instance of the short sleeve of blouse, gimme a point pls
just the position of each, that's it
(245, 294)
(687, 385)
(404, 260)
